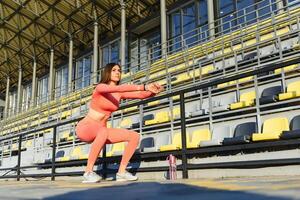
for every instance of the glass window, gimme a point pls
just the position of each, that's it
(105, 55)
(115, 51)
(175, 31)
(61, 81)
(83, 75)
(26, 97)
(43, 90)
(189, 25)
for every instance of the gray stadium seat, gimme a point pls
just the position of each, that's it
(294, 129)
(242, 134)
(218, 134)
(159, 140)
(270, 95)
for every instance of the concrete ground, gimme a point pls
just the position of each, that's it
(275, 188)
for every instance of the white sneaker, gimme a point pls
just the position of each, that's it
(91, 177)
(126, 177)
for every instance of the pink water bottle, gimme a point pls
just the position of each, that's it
(172, 167)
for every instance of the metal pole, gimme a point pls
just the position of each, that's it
(19, 97)
(210, 15)
(95, 53)
(6, 108)
(33, 88)
(123, 32)
(19, 158)
(53, 154)
(183, 137)
(70, 65)
(51, 76)
(163, 27)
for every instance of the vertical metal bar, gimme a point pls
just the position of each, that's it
(53, 154)
(183, 137)
(19, 158)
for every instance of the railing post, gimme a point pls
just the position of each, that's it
(183, 137)
(53, 154)
(19, 158)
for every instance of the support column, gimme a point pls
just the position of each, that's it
(70, 87)
(210, 15)
(163, 27)
(51, 76)
(6, 108)
(279, 6)
(123, 33)
(19, 94)
(95, 53)
(33, 86)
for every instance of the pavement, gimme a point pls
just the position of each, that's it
(240, 188)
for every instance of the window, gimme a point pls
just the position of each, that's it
(233, 14)
(83, 72)
(189, 25)
(61, 81)
(111, 53)
(26, 99)
(43, 90)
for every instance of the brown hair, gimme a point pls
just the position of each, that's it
(105, 73)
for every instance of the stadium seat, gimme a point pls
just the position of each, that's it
(246, 100)
(203, 70)
(160, 117)
(294, 129)
(200, 110)
(180, 78)
(159, 140)
(242, 134)
(126, 123)
(176, 143)
(272, 129)
(248, 56)
(293, 91)
(218, 134)
(117, 149)
(148, 117)
(270, 95)
(198, 136)
(286, 69)
(147, 142)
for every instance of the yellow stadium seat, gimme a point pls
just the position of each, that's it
(125, 123)
(117, 147)
(77, 153)
(272, 129)
(250, 42)
(293, 91)
(130, 109)
(246, 79)
(222, 85)
(176, 143)
(267, 36)
(160, 117)
(176, 97)
(204, 70)
(181, 78)
(246, 100)
(176, 112)
(162, 82)
(153, 103)
(286, 69)
(198, 136)
(28, 144)
(282, 31)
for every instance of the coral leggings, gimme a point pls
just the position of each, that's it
(96, 132)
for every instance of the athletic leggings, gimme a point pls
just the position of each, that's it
(96, 132)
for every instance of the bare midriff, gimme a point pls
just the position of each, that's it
(98, 116)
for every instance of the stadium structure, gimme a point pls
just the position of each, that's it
(230, 71)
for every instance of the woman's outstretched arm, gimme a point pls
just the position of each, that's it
(136, 95)
(104, 88)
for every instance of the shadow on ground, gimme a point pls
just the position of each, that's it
(154, 190)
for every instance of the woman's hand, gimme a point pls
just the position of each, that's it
(154, 88)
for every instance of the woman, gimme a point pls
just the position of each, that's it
(92, 129)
